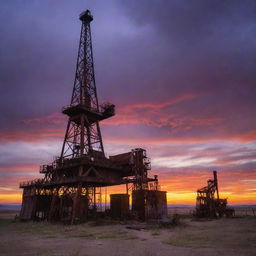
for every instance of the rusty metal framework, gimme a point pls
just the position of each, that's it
(210, 206)
(83, 134)
(70, 190)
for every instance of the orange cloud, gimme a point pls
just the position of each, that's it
(154, 106)
(31, 135)
(247, 136)
(19, 167)
(146, 113)
(54, 118)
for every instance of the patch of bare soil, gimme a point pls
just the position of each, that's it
(230, 237)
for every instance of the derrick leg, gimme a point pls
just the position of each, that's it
(54, 209)
(80, 206)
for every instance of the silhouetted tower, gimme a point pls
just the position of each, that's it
(215, 178)
(83, 136)
(70, 190)
(209, 206)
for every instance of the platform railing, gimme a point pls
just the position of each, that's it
(31, 182)
(77, 105)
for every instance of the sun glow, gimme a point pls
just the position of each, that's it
(173, 197)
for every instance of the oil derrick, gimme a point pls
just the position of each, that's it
(208, 203)
(68, 192)
(83, 134)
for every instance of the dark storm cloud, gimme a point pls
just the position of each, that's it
(208, 46)
(145, 51)
(38, 50)
(190, 21)
(202, 47)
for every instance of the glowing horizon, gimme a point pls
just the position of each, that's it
(188, 198)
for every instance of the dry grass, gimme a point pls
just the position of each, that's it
(155, 232)
(220, 233)
(233, 237)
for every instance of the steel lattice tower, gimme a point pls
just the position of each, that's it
(72, 183)
(83, 134)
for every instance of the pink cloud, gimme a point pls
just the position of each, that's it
(54, 118)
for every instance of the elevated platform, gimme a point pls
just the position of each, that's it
(93, 115)
(93, 170)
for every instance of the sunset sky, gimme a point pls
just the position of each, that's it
(181, 73)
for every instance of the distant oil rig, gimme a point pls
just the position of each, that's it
(70, 190)
(207, 205)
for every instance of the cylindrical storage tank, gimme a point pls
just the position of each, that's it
(119, 206)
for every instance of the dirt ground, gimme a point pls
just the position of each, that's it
(231, 237)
